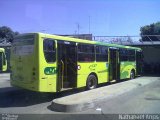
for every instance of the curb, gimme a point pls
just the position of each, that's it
(71, 108)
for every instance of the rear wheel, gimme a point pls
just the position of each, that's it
(132, 75)
(91, 82)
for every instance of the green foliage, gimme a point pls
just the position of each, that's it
(152, 29)
(6, 33)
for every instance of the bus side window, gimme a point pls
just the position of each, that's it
(49, 50)
(86, 53)
(123, 54)
(131, 55)
(101, 53)
(127, 55)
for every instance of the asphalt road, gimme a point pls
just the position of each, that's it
(142, 100)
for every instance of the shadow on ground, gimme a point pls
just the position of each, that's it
(151, 75)
(21, 98)
(12, 97)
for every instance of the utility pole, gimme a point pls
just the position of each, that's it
(75, 32)
(89, 24)
(78, 28)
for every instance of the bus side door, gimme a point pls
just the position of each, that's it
(114, 68)
(139, 62)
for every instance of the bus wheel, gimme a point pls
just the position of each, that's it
(132, 75)
(91, 82)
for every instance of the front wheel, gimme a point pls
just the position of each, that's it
(132, 75)
(91, 82)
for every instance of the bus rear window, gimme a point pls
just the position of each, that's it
(49, 50)
(23, 45)
(23, 40)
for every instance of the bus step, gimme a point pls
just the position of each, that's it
(112, 81)
(66, 84)
(63, 89)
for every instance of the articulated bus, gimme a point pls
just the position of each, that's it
(3, 60)
(51, 63)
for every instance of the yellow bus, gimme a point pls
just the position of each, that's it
(3, 60)
(51, 63)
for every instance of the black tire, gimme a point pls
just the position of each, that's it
(132, 75)
(91, 82)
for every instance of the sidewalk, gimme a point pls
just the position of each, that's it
(4, 77)
(88, 99)
(4, 74)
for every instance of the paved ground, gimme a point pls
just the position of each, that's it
(4, 80)
(143, 99)
(89, 99)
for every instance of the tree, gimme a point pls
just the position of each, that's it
(7, 34)
(152, 29)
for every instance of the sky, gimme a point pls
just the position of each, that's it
(99, 17)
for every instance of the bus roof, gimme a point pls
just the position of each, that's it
(58, 37)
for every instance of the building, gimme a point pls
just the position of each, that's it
(80, 36)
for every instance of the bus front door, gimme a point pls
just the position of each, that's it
(114, 68)
(67, 65)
